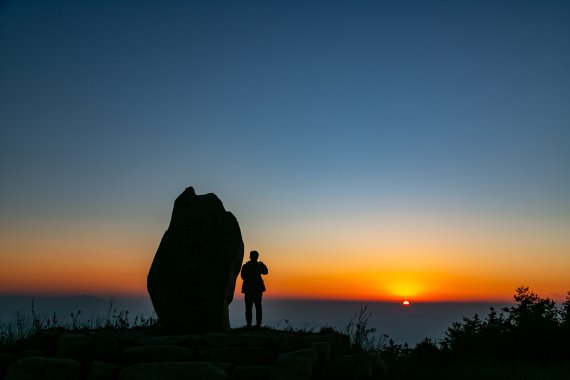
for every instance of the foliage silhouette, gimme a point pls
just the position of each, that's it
(529, 340)
(533, 329)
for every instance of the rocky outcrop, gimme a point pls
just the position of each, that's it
(44, 368)
(236, 355)
(192, 278)
(173, 370)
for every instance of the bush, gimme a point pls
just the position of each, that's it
(534, 329)
(529, 340)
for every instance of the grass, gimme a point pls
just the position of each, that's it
(24, 327)
(362, 337)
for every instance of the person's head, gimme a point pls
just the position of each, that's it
(253, 255)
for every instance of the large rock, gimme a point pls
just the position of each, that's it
(76, 346)
(149, 354)
(290, 367)
(39, 368)
(359, 367)
(221, 340)
(175, 371)
(238, 355)
(101, 371)
(170, 340)
(250, 373)
(192, 279)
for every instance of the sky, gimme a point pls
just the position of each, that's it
(379, 150)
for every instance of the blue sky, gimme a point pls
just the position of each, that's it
(288, 110)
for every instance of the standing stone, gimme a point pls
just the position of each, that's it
(192, 278)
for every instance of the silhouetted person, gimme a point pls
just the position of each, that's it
(253, 287)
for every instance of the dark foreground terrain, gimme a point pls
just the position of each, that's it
(530, 340)
(147, 354)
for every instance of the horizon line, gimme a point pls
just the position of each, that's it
(268, 298)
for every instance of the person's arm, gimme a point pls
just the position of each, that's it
(243, 272)
(263, 268)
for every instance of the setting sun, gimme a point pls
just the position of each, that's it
(406, 303)
(402, 287)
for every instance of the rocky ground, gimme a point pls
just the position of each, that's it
(256, 354)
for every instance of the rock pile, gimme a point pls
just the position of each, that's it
(237, 355)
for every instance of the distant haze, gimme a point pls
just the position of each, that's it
(403, 324)
(90, 307)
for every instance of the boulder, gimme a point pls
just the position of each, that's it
(46, 340)
(39, 368)
(149, 354)
(358, 367)
(221, 340)
(5, 361)
(30, 353)
(250, 373)
(238, 355)
(284, 343)
(290, 367)
(101, 371)
(323, 350)
(309, 353)
(76, 346)
(175, 371)
(192, 278)
(170, 340)
(339, 343)
(105, 347)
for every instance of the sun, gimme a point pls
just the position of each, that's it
(406, 303)
(404, 288)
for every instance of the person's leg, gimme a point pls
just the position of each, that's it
(248, 308)
(258, 309)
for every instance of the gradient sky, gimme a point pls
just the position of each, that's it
(369, 149)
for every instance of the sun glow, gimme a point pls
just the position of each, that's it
(405, 289)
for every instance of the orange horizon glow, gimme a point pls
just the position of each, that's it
(394, 286)
(275, 292)
(391, 271)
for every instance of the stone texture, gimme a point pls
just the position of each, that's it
(105, 348)
(238, 355)
(5, 361)
(192, 278)
(170, 340)
(291, 367)
(250, 373)
(30, 353)
(175, 371)
(76, 346)
(222, 340)
(101, 371)
(340, 343)
(47, 340)
(157, 354)
(241, 354)
(38, 368)
(309, 353)
(380, 369)
(323, 350)
(353, 366)
(125, 337)
(284, 343)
